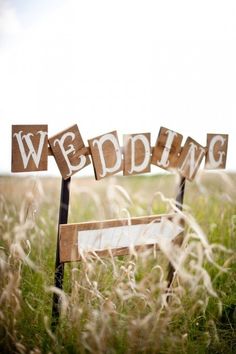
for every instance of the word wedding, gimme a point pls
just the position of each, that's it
(30, 152)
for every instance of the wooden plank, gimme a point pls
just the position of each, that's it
(29, 148)
(106, 155)
(216, 156)
(69, 151)
(167, 149)
(191, 158)
(116, 236)
(137, 153)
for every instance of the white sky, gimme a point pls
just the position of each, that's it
(130, 66)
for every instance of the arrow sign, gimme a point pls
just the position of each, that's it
(116, 236)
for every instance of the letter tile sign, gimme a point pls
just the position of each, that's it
(106, 155)
(29, 148)
(69, 151)
(217, 151)
(30, 152)
(167, 149)
(137, 153)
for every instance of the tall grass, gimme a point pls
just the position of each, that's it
(122, 304)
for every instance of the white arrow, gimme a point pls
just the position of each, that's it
(127, 236)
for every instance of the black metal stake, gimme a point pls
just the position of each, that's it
(179, 205)
(180, 195)
(59, 267)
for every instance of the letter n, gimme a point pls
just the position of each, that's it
(191, 158)
(29, 148)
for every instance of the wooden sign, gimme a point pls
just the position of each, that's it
(167, 149)
(68, 149)
(29, 148)
(137, 153)
(190, 158)
(217, 151)
(29, 152)
(106, 155)
(116, 236)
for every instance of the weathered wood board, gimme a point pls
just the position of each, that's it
(167, 149)
(106, 155)
(137, 153)
(116, 236)
(29, 148)
(217, 151)
(190, 158)
(69, 151)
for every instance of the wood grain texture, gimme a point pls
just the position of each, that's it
(50, 153)
(69, 151)
(190, 159)
(29, 148)
(137, 154)
(69, 242)
(106, 155)
(217, 147)
(167, 149)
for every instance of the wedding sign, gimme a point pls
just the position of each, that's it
(30, 152)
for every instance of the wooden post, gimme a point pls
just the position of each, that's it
(59, 267)
(179, 205)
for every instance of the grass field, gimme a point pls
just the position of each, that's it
(119, 305)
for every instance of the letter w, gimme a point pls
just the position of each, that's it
(36, 155)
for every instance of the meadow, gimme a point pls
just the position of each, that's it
(120, 304)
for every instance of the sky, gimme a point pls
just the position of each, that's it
(130, 66)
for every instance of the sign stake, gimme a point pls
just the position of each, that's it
(180, 195)
(179, 205)
(59, 267)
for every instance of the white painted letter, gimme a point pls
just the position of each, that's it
(144, 164)
(99, 142)
(212, 161)
(36, 155)
(164, 157)
(70, 149)
(190, 160)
